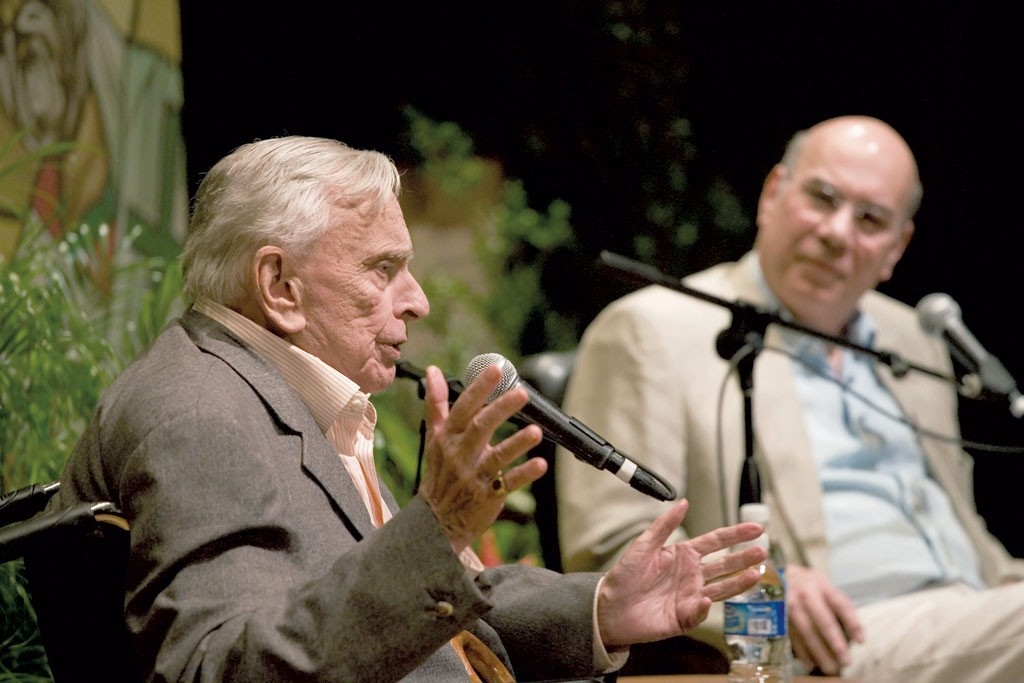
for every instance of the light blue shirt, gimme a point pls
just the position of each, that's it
(890, 527)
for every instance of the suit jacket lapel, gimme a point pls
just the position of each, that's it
(318, 456)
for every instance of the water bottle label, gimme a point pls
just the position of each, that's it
(755, 618)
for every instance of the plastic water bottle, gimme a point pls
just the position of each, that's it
(755, 622)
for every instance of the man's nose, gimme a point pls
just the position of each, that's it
(836, 229)
(412, 302)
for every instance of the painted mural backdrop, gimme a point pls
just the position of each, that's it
(90, 134)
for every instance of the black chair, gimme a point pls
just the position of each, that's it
(548, 372)
(75, 560)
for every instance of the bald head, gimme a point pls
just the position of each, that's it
(874, 140)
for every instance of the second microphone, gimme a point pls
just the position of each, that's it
(569, 432)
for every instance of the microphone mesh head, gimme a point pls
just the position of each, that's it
(509, 376)
(935, 311)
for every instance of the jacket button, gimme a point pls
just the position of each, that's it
(444, 608)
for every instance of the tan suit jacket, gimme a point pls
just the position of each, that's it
(649, 379)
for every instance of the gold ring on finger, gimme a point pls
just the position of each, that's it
(498, 484)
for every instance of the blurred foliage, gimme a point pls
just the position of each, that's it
(604, 118)
(22, 657)
(52, 365)
(64, 339)
(510, 238)
(512, 254)
(74, 311)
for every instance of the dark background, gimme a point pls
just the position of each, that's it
(550, 92)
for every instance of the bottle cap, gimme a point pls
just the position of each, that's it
(755, 512)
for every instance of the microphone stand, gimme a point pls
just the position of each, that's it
(746, 335)
(743, 340)
(455, 388)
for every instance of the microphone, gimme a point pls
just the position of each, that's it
(939, 315)
(569, 432)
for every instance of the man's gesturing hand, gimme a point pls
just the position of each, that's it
(656, 591)
(465, 478)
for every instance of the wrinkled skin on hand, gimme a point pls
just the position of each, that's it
(656, 591)
(460, 462)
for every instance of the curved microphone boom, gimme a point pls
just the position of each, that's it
(569, 432)
(939, 315)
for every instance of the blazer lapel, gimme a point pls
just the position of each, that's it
(319, 458)
(795, 495)
(325, 466)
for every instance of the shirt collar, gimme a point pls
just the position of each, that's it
(861, 330)
(328, 394)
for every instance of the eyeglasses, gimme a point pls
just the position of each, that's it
(871, 218)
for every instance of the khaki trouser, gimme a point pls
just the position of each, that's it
(950, 634)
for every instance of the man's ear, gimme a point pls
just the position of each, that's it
(772, 184)
(278, 291)
(897, 251)
(770, 190)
